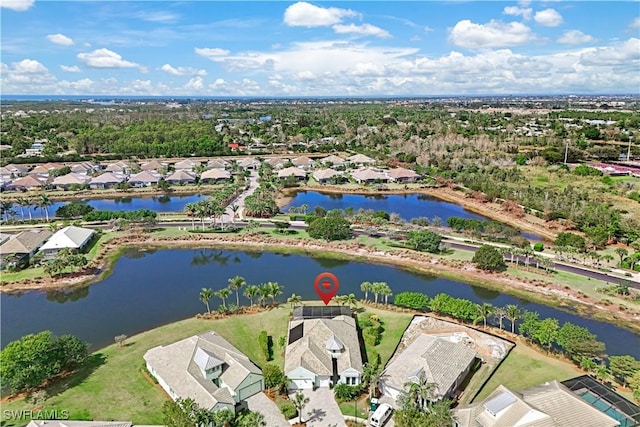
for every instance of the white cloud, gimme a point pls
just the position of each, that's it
(548, 18)
(105, 58)
(428, 29)
(635, 24)
(574, 37)
(627, 53)
(470, 35)
(70, 69)
(26, 76)
(183, 71)
(17, 5)
(195, 83)
(82, 86)
(211, 53)
(525, 12)
(303, 14)
(60, 39)
(363, 30)
(157, 16)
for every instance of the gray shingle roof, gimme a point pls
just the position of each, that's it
(25, 242)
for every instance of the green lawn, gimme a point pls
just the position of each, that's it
(525, 367)
(116, 389)
(395, 324)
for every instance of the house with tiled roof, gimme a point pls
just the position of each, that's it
(145, 179)
(322, 352)
(64, 182)
(402, 175)
(294, 172)
(181, 177)
(186, 164)
(546, 405)
(214, 175)
(369, 176)
(22, 246)
(207, 369)
(360, 159)
(443, 362)
(106, 180)
(74, 238)
(29, 182)
(324, 175)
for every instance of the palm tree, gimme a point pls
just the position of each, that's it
(234, 209)
(44, 202)
(622, 253)
(265, 292)
(377, 288)
(370, 375)
(192, 210)
(513, 313)
(484, 311)
(303, 208)
(500, 313)
(251, 419)
(340, 299)
(385, 291)
(205, 295)
(351, 300)
(201, 212)
(250, 292)
(275, 289)
(420, 390)
(22, 202)
(235, 283)
(300, 401)
(5, 207)
(365, 287)
(223, 294)
(294, 300)
(440, 413)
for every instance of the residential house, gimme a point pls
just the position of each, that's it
(22, 246)
(214, 176)
(105, 180)
(119, 168)
(297, 173)
(44, 169)
(443, 361)
(402, 175)
(77, 239)
(303, 162)
(217, 164)
(207, 369)
(6, 174)
(276, 162)
(322, 352)
(333, 161)
(186, 165)
(547, 405)
(17, 170)
(26, 183)
(145, 179)
(369, 176)
(249, 163)
(324, 175)
(64, 182)
(360, 160)
(181, 177)
(84, 168)
(153, 165)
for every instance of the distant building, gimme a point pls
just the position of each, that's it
(295, 172)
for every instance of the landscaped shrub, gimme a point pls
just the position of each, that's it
(267, 349)
(345, 392)
(415, 300)
(538, 247)
(288, 410)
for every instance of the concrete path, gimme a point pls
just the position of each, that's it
(272, 415)
(322, 409)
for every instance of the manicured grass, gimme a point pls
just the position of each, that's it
(349, 407)
(525, 367)
(116, 389)
(395, 324)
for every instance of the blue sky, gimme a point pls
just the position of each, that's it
(355, 48)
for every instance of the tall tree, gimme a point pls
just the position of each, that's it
(484, 312)
(365, 287)
(300, 401)
(251, 292)
(547, 332)
(235, 284)
(205, 296)
(420, 390)
(223, 294)
(513, 313)
(294, 300)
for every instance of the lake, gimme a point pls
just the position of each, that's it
(152, 288)
(154, 203)
(408, 206)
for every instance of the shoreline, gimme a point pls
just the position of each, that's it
(531, 290)
(528, 223)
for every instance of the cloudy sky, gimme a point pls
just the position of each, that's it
(277, 48)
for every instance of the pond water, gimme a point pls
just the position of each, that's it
(151, 288)
(408, 206)
(154, 203)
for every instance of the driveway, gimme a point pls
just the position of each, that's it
(322, 409)
(272, 415)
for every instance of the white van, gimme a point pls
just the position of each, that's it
(381, 415)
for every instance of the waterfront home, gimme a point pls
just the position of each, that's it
(214, 176)
(360, 160)
(249, 163)
(64, 182)
(207, 369)
(76, 239)
(295, 172)
(333, 161)
(276, 162)
(217, 164)
(105, 180)
(44, 169)
(324, 175)
(121, 167)
(26, 183)
(402, 175)
(181, 177)
(322, 350)
(22, 246)
(550, 404)
(145, 179)
(186, 165)
(153, 165)
(442, 360)
(84, 168)
(369, 176)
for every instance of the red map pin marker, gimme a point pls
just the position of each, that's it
(326, 285)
